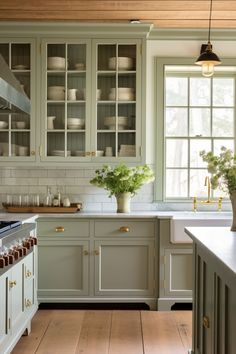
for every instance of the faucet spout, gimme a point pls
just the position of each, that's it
(208, 185)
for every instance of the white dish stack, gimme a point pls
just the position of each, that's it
(60, 153)
(110, 122)
(123, 94)
(127, 150)
(123, 63)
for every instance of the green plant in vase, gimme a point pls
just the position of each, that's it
(123, 182)
(222, 168)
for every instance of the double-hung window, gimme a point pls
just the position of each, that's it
(198, 113)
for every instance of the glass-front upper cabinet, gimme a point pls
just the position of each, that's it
(66, 126)
(17, 131)
(117, 92)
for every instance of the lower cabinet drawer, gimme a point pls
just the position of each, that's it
(124, 228)
(63, 228)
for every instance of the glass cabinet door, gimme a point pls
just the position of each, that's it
(16, 131)
(66, 90)
(117, 84)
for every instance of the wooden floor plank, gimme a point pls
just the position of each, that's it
(184, 323)
(95, 333)
(108, 332)
(160, 333)
(126, 333)
(63, 333)
(40, 323)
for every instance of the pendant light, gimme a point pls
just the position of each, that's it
(207, 58)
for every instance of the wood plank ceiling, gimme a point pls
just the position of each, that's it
(162, 13)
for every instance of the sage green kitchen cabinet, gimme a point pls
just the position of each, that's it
(4, 318)
(63, 269)
(90, 119)
(214, 294)
(175, 269)
(97, 260)
(17, 134)
(124, 268)
(18, 300)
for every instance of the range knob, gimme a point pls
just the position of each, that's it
(2, 262)
(27, 244)
(6, 259)
(11, 258)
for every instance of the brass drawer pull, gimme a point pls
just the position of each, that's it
(28, 274)
(59, 229)
(96, 253)
(28, 303)
(206, 322)
(86, 253)
(12, 283)
(124, 229)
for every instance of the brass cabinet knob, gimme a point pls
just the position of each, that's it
(32, 153)
(28, 303)
(87, 153)
(86, 253)
(206, 322)
(124, 229)
(93, 153)
(96, 253)
(12, 283)
(59, 229)
(28, 274)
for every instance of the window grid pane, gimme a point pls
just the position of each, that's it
(209, 125)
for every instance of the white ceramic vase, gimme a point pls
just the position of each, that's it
(123, 202)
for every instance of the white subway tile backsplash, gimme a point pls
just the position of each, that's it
(73, 183)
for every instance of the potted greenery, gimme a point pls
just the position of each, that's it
(223, 174)
(123, 182)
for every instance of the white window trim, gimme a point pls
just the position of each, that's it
(161, 62)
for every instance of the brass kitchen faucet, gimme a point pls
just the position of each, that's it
(208, 201)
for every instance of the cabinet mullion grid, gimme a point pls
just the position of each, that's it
(117, 102)
(66, 102)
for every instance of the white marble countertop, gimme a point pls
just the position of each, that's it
(220, 241)
(183, 215)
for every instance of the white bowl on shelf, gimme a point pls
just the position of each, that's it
(99, 153)
(60, 153)
(56, 63)
(20, 125)
(56, 93)
(76, 121)
(99, 94)
(79, 66)
(75, 127)
(20, 67)
(123, 63)
(110, 122)
(3, 124)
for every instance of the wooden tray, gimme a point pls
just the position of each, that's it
(42, 209)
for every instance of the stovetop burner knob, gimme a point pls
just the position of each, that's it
(2, 262)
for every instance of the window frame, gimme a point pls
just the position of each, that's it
(160, 63)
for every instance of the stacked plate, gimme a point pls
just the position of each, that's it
(56, 63)
(75, 123)
(60, 153)
(123, 93)
(123, 63)
(110, 122)
(127, 150)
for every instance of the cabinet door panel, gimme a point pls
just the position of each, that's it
(178, 272)
(68, 275)
(124, 268)
(15, 288)
(4, 305)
